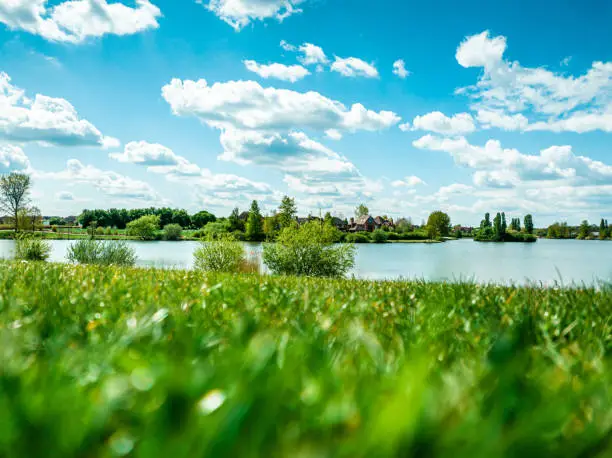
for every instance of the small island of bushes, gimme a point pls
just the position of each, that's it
(498, 231)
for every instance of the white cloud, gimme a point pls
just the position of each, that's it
(158, 158)
(503, 167)
(461, 123)
(333, 134)
(281, 72)
(511, 96)
(481, 51)
(408, 182)
(76, 20)
(107, 182)
(353, 67)
(312, 55)
(497, 118)
(246, 105)
(399, 69)
(240, 13)
(44, 120)
(405, 127)
(12, 159)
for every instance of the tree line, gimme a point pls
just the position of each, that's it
(499, 231)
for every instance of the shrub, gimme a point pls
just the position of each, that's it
(173, 231)
(53, 228)
(357, 237)
(144, 227)
(31, 249)
(104, 253)
(380, 236)
(100, 230)
(223, 254)
(309, 250)
(108, 231)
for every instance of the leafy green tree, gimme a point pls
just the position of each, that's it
(254, 225)
(528, 223)
(362, 210)
(497, 227)
(438, 225)
(584, 231)
(602, 229)
(309, 250)
(15, 195)
(486, 222)
(271, 226)
(235, 223)
(224, 254)
(201, 219)
(144, 227)
(287, 212)
(181, 217)
(504, 226)
(173, 231)
(515, 225)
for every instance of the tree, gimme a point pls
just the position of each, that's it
(201, 219)
(485, 223)
(235, 223)
(602, 229)
(362, 210)
(309, 250)
(504, 226)
(497, 227)
(287, 212)
(270, 227)
(180, 217)
(35, 217)
(584, 232)
(15, 194)
(254, 225)
(144, 227)
(528, 223)
(173, 231)
(56, 221)
(515, 225)
(438, 225)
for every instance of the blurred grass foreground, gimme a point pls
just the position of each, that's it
(102, 362)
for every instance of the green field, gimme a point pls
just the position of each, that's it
(102, 362)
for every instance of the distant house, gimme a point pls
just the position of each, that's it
(362, 224)
(339, 223)
(368, 223)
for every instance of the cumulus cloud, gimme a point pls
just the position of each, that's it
(310, 54)
(408, 182)
(291, 73)
(158, 158)
(512, 97)
(267, 127)
(504, 167)
(461, 123)
(74, 21)
(399, 69)
(12, 159)
(107, 182)
(353, 67)
(240, 13)
(247, 105)
(45, 120)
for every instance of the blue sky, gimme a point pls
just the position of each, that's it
(408, 107)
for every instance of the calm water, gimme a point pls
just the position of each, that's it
(547, 261)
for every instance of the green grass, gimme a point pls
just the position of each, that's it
(101, 362)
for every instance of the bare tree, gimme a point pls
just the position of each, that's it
(14, 194)
(35, 217)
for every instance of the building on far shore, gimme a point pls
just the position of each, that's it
(368, 223)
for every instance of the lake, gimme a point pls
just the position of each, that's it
(547, 261)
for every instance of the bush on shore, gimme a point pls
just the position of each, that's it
(99, 252)
(380, 236)
(173, 232)
(357, 237)
(220, 254)
(31, 249)
(309, 250)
